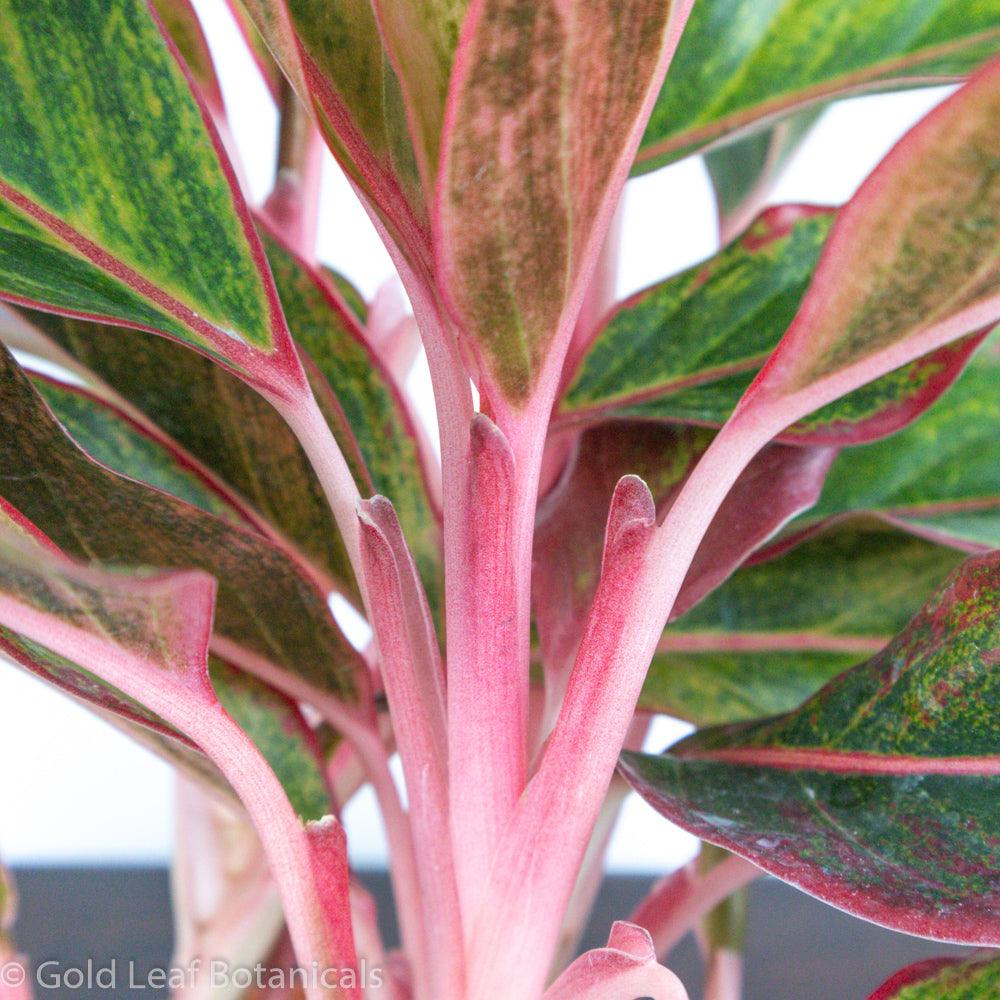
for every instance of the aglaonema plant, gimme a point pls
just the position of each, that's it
(762, 495)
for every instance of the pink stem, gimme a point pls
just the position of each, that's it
(413, 677)
(677, 902)
(308, 864)
(292, 207)
(363, 736)
(725, 975)
(488, 679)
(517, 932)
(307, 422)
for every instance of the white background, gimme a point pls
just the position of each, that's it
(74, 790)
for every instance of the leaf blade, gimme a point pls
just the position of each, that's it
(136, 198)
(876, 795)
(742, 65)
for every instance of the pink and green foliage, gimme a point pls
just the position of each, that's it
(741, 497)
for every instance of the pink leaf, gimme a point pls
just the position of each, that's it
(546, 106)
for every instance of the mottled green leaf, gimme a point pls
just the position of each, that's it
(777, 631)
(544, 105)
(881, 793)
(742, 64)
(225, 424)
(113, 201)
(939, 478)
(975, 978)
(687, 348)
(106, 434)
(267, 602)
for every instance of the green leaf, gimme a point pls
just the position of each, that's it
(880, 794)
(268, 603)
(975, 978)
(939, 478)
(542, 92)
(23, 549)
(687, 348)
(777, 631)
(742, 64)
(113, 201)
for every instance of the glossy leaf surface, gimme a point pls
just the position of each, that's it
(777, 631)
(744, 63)
(111, 186)
(91, 512)
(541, 92)
(977, 978)
(879, 794)
(688, 348)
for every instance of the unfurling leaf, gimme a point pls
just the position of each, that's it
(880, 794)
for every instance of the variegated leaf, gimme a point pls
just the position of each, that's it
(111, 186)
(777, 631)
(976, 978)
(265, 596)
(541, 93)
(880, 793)
(688, 348)
(743, 64)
